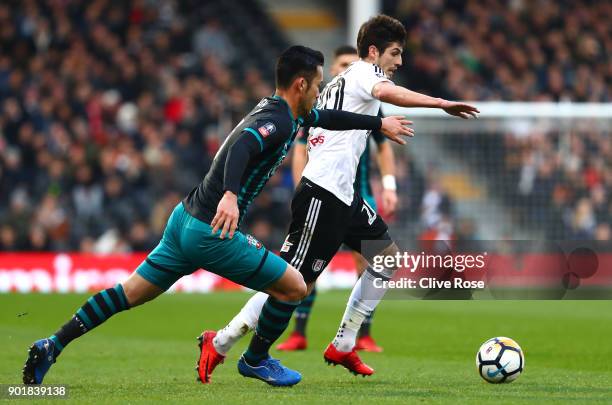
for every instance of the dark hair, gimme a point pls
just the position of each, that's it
(345, 50)
(297, 61)
(379, 31)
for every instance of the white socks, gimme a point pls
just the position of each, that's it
(363, 300)
(245, 321)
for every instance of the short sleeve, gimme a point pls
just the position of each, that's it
(369, 75)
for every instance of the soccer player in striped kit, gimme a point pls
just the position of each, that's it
(344, 56)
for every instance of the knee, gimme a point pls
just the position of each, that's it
(298, 292)
(137, 290)
(295, 289)
(295, 293)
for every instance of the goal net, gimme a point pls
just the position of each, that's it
(521, 171)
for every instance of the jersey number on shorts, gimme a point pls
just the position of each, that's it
(370, 212)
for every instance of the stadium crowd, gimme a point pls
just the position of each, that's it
(524, 51)
(110, 112)
(517, 50)
(555, 182)
(564, 181)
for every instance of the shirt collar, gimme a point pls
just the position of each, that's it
(299, 120)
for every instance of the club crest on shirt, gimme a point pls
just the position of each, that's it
(253, 242)
(318, 265)
(266, 129)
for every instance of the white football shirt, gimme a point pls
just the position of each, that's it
(333, 156)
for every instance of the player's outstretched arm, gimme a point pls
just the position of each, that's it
(402, 97)
(394, 127)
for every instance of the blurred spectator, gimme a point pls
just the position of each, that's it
(140, 238)
(18, 215)
(8, 239)
(210, 40)
(603, 232)
(436, 206)
(37, 239)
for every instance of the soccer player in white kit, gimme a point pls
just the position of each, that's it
(326, 211)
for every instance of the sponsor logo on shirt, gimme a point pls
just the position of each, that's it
(316, 140)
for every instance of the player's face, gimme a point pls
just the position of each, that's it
(310, 95)
(341, 63)
(391, 59)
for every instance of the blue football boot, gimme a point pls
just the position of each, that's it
(40, 358)
(271, 371)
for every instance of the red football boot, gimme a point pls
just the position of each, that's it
(209, 357)
(350, 360)
(295, 341)
(367, 344)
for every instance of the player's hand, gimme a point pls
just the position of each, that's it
(394, 127)
(227, 215)
(389, 201)
(460, 110)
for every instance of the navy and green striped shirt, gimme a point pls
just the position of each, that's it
(256, 147)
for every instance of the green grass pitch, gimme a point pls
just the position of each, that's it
(148, 354)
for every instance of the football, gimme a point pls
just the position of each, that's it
(500, 360)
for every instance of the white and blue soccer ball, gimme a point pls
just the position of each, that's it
(500, 360)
